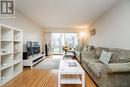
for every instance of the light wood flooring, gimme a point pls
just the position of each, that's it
(41, 78)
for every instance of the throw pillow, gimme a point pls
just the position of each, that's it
(105, 57)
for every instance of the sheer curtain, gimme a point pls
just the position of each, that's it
(56, 41)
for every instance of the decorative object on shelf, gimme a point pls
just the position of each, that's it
(16, 47)
(93, 32)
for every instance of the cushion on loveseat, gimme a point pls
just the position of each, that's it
(95, 68)
(120, 55)
(89, 54)
(90, 60)
(94, 65)
(118, 67)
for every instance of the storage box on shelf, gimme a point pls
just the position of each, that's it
(10, 53)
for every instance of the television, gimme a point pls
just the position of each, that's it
(33, 48)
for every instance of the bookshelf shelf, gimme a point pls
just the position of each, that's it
(6, 34)
(10, 53)
(17, 68)
(6, 60)
(17, 46)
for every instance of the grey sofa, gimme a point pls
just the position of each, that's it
(114, 74)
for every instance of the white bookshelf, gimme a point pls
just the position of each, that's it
(11, 46)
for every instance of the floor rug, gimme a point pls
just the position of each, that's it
(49, 63)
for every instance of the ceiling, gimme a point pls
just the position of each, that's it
(63, 13)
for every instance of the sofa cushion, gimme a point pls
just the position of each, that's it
(94, 65)
(90, 60)
(127, 54)
(105, 57)
(123, 61)
(90, 54)
(95, 68)
(120, 56)
(120, 61)
(118, 67)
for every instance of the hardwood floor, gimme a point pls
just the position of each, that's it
(41, 78)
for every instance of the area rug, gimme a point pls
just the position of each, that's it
(49, 63)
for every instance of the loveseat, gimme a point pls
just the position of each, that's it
(114, 74)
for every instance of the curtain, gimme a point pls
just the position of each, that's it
(49, 37)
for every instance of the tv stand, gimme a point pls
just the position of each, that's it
(34, 59)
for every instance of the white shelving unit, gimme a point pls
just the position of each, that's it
(11, 46)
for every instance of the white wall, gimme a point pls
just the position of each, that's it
(31, 31)
(113, 28)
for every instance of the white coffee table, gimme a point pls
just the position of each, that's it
(77, 72)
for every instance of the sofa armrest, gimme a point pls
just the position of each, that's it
(117, 67)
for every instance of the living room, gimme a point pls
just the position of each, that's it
(38, 37)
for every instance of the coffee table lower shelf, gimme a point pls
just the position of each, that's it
(73, 80)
